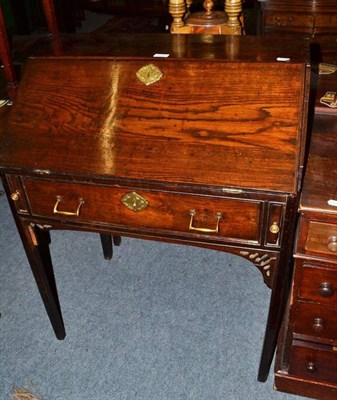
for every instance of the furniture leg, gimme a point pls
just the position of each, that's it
(177, 9)
(117, 240)
(106, 241)
(278, 298)
(279, 294)
(36, 244)
(50, 13)
(233, 9)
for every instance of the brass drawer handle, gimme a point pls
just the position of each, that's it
(205, 230)
(76, 213)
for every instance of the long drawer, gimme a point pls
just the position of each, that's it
(289, 20)
(222, 218)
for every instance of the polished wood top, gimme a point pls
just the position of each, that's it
(320, 183)
(197, 47)
(235, 124)
(301, 5)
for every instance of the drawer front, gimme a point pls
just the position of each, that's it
(287, 20)
(318, 284)
(322, 239)
(313, 363)
(317, 321)
(327, 22)
(217, 217)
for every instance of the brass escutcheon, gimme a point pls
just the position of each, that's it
(149, 74)
(134, 201)
(274, 228)
(15, 195)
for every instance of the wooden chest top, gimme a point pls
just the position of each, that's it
(320, 185)
(227, 112)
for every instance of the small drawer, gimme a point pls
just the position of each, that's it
(322, 239)
(287, 20)
(316, 362)
(316, 322)
(220, 218)
(318, 284)
(326, 22)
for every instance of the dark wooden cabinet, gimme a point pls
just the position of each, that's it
(307, 355)
(313, 17)
(313, 20)
(204, 146)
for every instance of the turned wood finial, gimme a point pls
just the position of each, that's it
(208, 6)
(177, 9)
(188, 5)
(233, 9)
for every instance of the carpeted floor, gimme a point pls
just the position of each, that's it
(158, 322)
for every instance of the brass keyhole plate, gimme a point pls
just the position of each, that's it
(134, 201)
(149, 74)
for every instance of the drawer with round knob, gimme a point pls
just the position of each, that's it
(318, 283)
(322, 239)
(316, 322)
(313, 361)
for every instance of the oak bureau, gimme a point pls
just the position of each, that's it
(190, 139)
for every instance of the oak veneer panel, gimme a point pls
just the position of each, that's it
(232, 124)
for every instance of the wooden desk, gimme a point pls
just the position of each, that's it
(210, 155)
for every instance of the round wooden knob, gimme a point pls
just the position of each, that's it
(332, 244)
(319, 325)
(325, 289)
(311, 368)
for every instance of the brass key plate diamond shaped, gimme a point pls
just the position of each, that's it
(134, 201)
(149, 74)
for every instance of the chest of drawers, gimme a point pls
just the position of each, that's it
(313, 17)
(313, 20)
(307, 359)
(191, 139)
